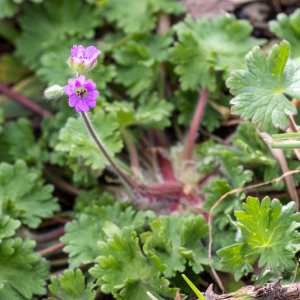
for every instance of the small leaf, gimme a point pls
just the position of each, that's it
(176, 241)
(152, 112)
(206, 47)
(82, 236)
(287, 27)
(18, 141)
(23, 195)
(75, 139)
(57, 21)
(7, 226)
(71, 286)
(250, 147)
(126, 272)
(22, 270)
(263, 91)
(139, 62)
(268, 232)
(235, 177)
(139, 16)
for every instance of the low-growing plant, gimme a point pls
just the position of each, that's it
(105, 194)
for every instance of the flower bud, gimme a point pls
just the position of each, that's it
(53, 92)
(82, 59)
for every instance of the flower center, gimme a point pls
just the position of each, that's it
(81, 92)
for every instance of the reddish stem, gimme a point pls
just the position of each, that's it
(195, 124)
(24, 101)
(49, 235)
(163, 161)
(52, 249)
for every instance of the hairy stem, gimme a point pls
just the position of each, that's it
(24, 101)
(101, 147)
(195, 124)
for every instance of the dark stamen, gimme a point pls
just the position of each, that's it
(81, 93)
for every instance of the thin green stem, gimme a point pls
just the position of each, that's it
(284, 136)
(101, 147)
(289, 144)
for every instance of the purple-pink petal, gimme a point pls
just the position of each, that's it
(71, 82)
(74, 50)
(82, 80)
(73, 100)
(94, 55)
(92, 103)
(93, 95)
(83, 105)
(81, 51)
(77, 108)
(89, 50)
(90, 86)
(69, 90)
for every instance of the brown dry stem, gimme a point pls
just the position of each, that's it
(272, 291)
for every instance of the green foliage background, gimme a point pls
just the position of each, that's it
(125, 243)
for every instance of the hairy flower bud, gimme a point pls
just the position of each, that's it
(82, 59)
(53, 92)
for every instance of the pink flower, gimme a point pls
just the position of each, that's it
(82, 93)
(83, 59)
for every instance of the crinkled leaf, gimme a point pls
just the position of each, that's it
(275, 171)
(139, 16)
(7, 226)
(125, 271)
(91, 198)
(250, 147)
(206, 47)
(287, 27)
(152, 112)
(23, 195)
(82, 175)
(51, 23)
(75, 139)
(82, 236)
(19, 143)
(22, 271)
(139, 62)
(71, 286)
(268, 232)
(263, 91)
(9, 7)
(236, 177)
(175, 241)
